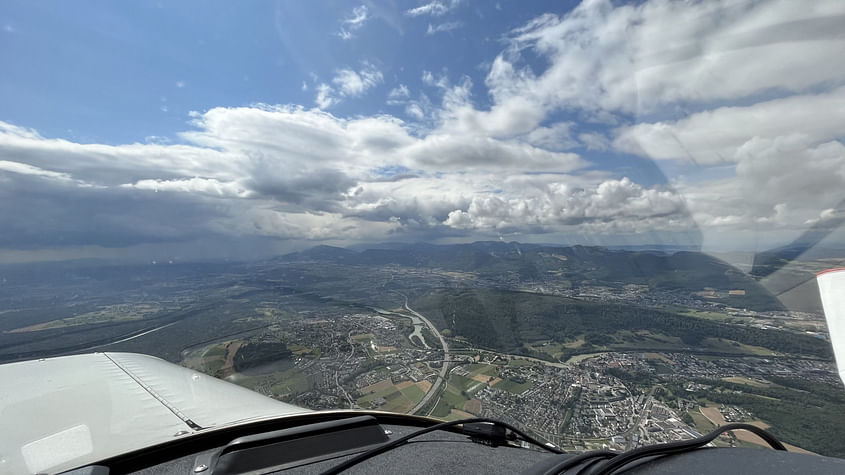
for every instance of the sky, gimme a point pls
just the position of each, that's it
(245, 129)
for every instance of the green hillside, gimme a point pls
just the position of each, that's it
(508, 320)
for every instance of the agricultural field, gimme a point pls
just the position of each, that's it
(514, 386)
(290, 382)
(717, 316)
(701, 423)
(106, 314)
(387, 396)
(747, 381)
(216, 359)
(730, 346)
(458, 399)
(450, 399)
(715, 417)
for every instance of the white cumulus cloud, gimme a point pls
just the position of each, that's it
(740, 104)
(348, 83)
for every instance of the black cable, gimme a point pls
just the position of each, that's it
(682, 446)
(565, 465)
(400, 441)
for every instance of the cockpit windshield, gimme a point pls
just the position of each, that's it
(598, 221)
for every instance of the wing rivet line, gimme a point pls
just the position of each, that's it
(193, 425)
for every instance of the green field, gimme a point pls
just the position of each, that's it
(465, 384)
(300, 350)
(291, 381)
(395, 400)
(441, 410)
(579, 358)
(795, 408)
(744, 380)
(365, 400)
(452, 417)
(553, 349)
(488, 369)
(718, 316)
(450, 399)
(513, 386)
(461, 389)
(701, 423)
(574, 344)
(413, 393)
(729, 346)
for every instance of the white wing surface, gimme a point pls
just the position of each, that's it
(832, 290)
(60, 413)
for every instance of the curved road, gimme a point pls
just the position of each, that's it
(352, 404)
(441, 377)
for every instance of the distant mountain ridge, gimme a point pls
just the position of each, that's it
(573, 265)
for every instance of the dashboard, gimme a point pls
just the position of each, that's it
(317, 443)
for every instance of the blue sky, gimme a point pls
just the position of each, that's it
(99, 71)
(271, 126)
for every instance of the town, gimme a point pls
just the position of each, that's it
(382, 361)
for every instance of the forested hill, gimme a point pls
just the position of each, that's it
(508, 320)
(575, 266)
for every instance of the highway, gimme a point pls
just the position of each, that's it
(444, 370)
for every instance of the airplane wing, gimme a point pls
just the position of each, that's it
(60, 413)
(832, 289)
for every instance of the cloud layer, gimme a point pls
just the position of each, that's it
(728, 98)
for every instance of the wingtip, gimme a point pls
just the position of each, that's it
(835, 269)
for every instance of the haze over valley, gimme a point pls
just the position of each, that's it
(584, 346)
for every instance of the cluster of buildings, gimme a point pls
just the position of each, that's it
(340, 356)
(582, 407)
(579, 406)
